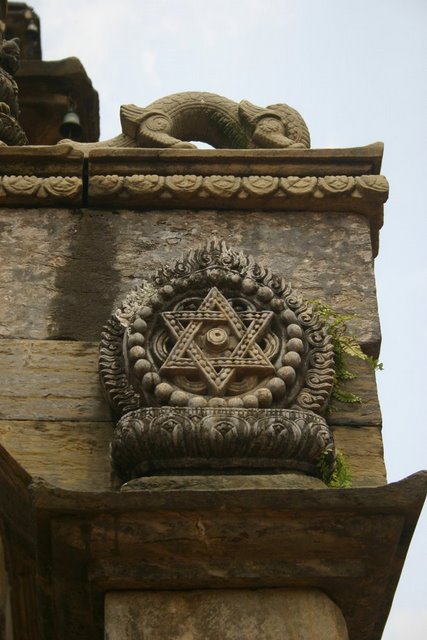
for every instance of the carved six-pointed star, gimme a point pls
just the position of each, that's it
(217, 322)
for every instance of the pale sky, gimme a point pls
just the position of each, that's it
(357, 72)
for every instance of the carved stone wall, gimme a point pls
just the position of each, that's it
(222, 368)
(68, 264)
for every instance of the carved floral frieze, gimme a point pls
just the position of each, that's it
(228, 186)
(36, 188)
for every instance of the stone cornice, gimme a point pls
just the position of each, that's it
(46, 161)
(337, 180)
(353, 161)
(363, 194)
(41, 176)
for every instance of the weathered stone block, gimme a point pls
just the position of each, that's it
(205, 482)
(271, 614)
(58, 380)
(50, 380)
(365, 412)
(363, 450)
(64, 271)
(71, 455)
(52, 410)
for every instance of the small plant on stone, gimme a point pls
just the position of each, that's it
(344, 345)
(341, 476)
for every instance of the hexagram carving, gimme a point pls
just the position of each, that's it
(217, 340)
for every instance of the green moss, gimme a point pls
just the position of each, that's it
(344, 345)
(341, 477)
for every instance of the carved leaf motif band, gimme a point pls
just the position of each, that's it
(227, 186)
(51, 188)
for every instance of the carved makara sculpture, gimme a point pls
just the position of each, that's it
(176, 120)
(215, 364)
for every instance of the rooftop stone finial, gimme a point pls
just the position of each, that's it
(11, 133)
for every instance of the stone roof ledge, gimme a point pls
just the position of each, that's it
(332, 180)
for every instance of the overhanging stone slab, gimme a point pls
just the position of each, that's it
(74, 546)
(355, 161)
(349, 543)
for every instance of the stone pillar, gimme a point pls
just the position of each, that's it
(270, 614)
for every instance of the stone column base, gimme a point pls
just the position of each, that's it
(232, 614)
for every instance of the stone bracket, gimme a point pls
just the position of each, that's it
(349, 543)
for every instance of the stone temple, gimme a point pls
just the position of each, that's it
(190, 435)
